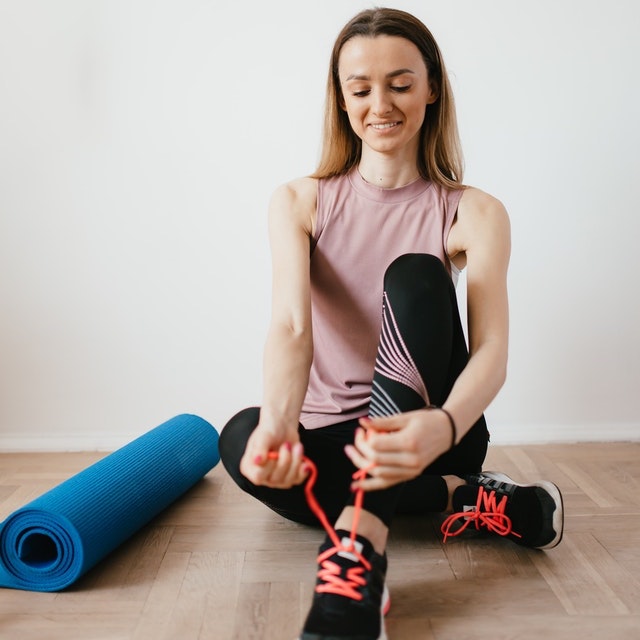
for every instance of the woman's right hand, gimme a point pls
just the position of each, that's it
(283, 470)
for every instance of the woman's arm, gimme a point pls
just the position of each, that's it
(479, 239)
(481, 236)
(289, 347)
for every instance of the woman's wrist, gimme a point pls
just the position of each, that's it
(451, 422)
(278, 424)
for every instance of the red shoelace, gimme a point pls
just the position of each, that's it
(487, 513)
(329, 572)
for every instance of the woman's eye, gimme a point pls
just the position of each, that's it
(362, 93)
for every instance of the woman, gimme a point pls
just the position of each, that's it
(366, 369)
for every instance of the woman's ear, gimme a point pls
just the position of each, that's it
(434, 92)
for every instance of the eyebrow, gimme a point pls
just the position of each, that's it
(392, 74)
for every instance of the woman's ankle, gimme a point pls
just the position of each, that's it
(369, 526)
(453, 482)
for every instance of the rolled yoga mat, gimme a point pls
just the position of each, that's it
(49, 543)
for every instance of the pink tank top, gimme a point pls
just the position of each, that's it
(360, 230)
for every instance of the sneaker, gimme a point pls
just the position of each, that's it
(350, 598)
(530, 514)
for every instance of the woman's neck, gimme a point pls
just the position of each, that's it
(387, 172)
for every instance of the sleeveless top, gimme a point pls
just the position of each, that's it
(360, 230)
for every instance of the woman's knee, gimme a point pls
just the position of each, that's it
(234, 436)
(412, 268)
(416, 281)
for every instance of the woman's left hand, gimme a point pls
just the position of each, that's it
(398, 448)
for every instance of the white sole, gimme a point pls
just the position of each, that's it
(384, 609)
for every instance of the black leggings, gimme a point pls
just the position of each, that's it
(421, 353)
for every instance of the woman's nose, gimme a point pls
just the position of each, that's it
(381, 103)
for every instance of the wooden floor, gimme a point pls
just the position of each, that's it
(219, 566)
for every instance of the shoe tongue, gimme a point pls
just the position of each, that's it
(465, 498)
(360, 545)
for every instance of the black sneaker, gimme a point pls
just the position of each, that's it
(529, 514)
(350, 597)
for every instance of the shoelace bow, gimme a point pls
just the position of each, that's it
(487, 513)
(330, 572)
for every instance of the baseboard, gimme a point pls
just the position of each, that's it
(14, 443)
(558, 433)
(501, 434)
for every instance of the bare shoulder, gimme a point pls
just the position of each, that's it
(296, 201)
(482, 222)
(479, 213)
(298, 190)
(475, 202)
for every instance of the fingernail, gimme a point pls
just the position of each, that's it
(287, 446)
(257, 459)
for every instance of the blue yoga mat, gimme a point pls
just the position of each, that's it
(49, 543)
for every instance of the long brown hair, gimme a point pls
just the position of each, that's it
(439, 154)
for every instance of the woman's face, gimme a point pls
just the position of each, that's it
(385, 88)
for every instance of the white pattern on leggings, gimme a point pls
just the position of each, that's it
(394, 362)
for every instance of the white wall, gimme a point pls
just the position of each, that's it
(140, 141)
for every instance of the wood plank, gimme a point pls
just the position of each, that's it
(217, 564)
(159, 607)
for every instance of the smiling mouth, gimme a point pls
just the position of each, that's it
(381, 126)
